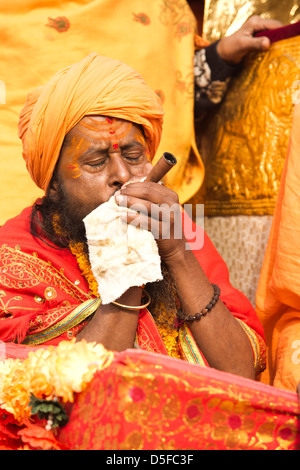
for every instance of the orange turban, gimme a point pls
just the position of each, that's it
(95, 86)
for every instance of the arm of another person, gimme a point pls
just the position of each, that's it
(216, 64)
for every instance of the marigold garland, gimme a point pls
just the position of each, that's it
(52, 373)
(77, 250)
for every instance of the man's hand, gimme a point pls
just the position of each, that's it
(298, 392)
(158, 210)
(233, 48)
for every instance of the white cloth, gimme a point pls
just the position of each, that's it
(121, 255)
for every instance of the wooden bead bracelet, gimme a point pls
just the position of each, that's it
(205, 310)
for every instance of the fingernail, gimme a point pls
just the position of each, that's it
(120, 199)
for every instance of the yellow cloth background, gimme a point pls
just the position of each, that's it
(278, 293)
(156, 38)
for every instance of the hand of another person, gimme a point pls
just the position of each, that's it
(233, 48)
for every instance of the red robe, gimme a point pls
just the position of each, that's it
(45, 299)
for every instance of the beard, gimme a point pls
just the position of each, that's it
(57, 220)
(70, 217)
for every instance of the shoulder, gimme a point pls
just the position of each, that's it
(16, 228)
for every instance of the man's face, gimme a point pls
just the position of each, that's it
(98, 156)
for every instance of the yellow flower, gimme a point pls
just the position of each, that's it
(51, 372)
(73, 366)
(11, 394)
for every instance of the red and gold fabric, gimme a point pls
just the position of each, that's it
(45, 301)
(45, 298)
(137, 400)
(144, 401)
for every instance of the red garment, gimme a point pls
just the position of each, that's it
(45, 299)
(144, 401)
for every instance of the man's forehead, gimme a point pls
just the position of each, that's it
(98, 130)
(94, 124)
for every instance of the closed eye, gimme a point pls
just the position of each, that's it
(133, 157)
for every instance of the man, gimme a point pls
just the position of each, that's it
(95, 126)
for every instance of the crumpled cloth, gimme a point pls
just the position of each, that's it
(121, 255)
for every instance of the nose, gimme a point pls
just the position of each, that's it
(118, 171)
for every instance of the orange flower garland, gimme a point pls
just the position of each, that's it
(84, 265)
(53, 372)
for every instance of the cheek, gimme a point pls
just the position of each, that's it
(87, 192)
(70, 160)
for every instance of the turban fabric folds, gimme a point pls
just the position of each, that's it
(96, 85)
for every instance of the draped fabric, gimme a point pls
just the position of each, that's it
(39, 38)
(148, 401)
(144, 401)
(277, 298)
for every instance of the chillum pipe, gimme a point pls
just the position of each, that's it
(161, 168)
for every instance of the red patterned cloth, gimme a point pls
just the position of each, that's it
(145, 401)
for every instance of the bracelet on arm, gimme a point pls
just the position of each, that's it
(133, 307)
(205, 310)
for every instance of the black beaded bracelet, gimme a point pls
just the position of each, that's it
(205, 310)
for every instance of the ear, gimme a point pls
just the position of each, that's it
(53, 191)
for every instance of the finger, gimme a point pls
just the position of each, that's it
(134, 204)
(153, 192)
(257, 44)
(159, 212)
(160, 229)
(142, 221)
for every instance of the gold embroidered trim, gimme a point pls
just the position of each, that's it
(245, 141)
(188, 347)
(22, 270)
(258, 347)
(239, 206)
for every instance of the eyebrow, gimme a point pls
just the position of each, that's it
(100, 149)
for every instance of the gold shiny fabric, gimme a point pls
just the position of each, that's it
(244, 143)
(222, 17)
